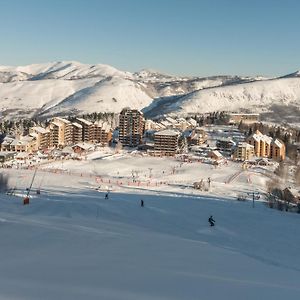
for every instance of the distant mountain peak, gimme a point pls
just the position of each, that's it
(294, 74)
(152, 73)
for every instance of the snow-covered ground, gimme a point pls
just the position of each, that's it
(71, 243)
(71, 87)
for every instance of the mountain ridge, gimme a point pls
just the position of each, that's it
(60, 87)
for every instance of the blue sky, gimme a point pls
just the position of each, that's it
(185, 37)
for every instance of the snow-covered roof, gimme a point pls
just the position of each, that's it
(23, 140)
(22, 155)
(216, 153)
(258, 136)
(83, 145)
(34, 134)
(61, 120)
(86, 122)
(67, 150)
(6, 153)
(241, 114)
(278, 143)
(171, 120)
(165, 123)
(103, 125)
(266, 139)
(226, 139)
(77, 125)
(55, 123)
(167, 132)
(39, 129)
(192, 121)
(244, 145)
(7, 140)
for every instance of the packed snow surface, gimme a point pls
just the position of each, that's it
(71, 243)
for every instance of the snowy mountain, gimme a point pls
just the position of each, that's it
(63, 87)
(255, 96)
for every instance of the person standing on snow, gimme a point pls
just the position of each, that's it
(142, 203)
(211, 221)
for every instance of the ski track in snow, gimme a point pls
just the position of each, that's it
(71, 243)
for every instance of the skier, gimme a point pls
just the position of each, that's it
(142, 203)
(106, 196)
(211, 221)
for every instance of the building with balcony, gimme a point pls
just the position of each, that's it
(243, 151)
(166, 142)
(42, 137)
(131, 127)
(265, 146)
(88, 130)
(60, 132)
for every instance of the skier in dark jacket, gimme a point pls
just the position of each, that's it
(142, 203)
(211, 221)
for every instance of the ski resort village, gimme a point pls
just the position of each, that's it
(149, 150)
(103, 201)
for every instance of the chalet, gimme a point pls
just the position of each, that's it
(82, 148)
(215, 155)
(6, 156)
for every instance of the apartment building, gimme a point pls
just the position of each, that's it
(166, 142)
(88, 130)
(76, 133)
(236, 118)
(265, 146)
(42, 137)
(131, 127)
(277, 150)
(60, 132)
(19, 144)
(102, 133)
(243, 151)
(196, 136)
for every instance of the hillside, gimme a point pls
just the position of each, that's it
(257, 96)
(62, 87)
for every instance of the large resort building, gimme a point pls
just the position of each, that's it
(131, 127)
(42, 137)
(88, 131)
(265, 146)
(243, 151)
(60, 132)
(166, 142)
(236, 118)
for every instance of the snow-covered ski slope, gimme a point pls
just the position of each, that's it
(71, 243)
